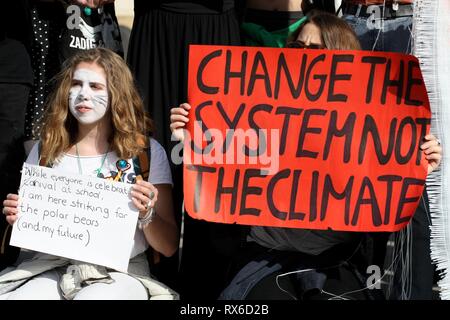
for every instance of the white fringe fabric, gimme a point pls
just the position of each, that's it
(431, 32)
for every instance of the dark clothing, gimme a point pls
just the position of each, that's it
(106, 33)
(158, 55)
(47, 23)
(208, 249)
(420, 282)
(16, 78)
(325, 5)
(158, 58)
(15, 66)
(272, 20)
(15, 42)
(15, 22)
(186, 6)
(312, 242)
(422, 267)
(13, 101)
(260, 274)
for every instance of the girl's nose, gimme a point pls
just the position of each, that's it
(84, 93)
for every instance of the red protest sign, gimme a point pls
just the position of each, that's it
(311, 139)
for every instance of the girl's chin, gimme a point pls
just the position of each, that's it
(84, 121)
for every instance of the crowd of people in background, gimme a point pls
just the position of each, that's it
(43, 59)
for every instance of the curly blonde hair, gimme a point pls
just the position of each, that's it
(130, 124)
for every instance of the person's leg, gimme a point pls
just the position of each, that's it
(207, 254)
(307, 277)
(342, 283)
(274, 287)
(364, 29)
(13, 102)
(124, 287)
(378, 34)
(422, 269)
(41, 287)
(396, 35)
(413, 270)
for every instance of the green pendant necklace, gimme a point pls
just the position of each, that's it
(98, 170)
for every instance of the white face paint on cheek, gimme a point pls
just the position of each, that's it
(88, 96)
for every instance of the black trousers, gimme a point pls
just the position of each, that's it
(335, 273)
(421, 267)
(13, 102)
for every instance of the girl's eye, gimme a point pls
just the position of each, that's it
(76, 83)
(96, 86)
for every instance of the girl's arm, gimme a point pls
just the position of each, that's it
(162, 232)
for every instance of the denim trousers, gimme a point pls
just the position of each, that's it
(391, 35)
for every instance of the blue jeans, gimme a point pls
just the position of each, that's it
(394, 35)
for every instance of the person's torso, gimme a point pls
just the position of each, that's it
(107, 166)
(185, 6)
(95, 28)
(15, 64)
(312, 242)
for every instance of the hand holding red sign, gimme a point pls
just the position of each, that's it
(432, 151)
(178, 120)
(311, 139)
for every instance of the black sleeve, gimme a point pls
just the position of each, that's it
(15, 21)
(325, 5)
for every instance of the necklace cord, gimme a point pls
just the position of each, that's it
(80, 170)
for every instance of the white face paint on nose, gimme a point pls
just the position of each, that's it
(88, 96)
(85, 92)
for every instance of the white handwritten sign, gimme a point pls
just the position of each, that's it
(77, 217)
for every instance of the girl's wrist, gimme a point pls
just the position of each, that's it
(147, 219)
